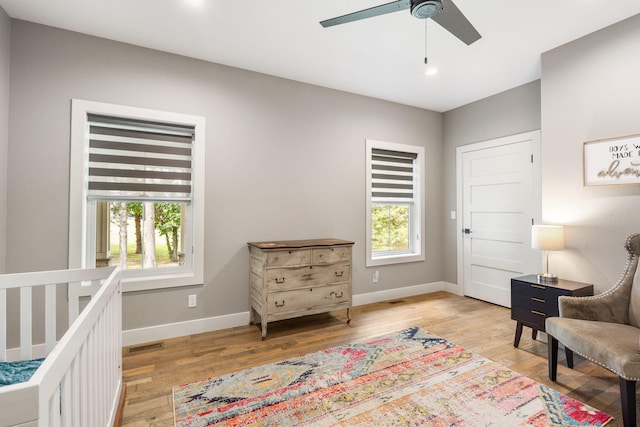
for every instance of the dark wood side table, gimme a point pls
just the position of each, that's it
(533, 300)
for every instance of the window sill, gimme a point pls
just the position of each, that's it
(160, 281)
(394, 259)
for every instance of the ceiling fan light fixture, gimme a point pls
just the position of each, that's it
(424, 9)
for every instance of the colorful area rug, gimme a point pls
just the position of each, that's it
(408, 378)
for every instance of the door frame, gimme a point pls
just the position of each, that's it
(535, 137)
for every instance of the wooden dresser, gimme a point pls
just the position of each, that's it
(298, 277)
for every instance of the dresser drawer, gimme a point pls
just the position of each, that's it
(331, 255)
(288, 258)
(296, 277)
(301, 299)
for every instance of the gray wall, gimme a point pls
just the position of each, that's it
(590, 91)
(507, 113)
(5, 47)
(284, 160)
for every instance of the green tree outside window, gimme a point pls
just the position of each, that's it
(390, 227)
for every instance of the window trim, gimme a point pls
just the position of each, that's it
(82, 231)
(417, 225)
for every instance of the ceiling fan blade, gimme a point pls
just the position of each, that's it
(367, 13)
(452, 20)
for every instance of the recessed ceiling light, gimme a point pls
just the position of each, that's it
(430, 71)
(194, 2)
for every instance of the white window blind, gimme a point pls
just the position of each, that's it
(392, 175)
(139, 160)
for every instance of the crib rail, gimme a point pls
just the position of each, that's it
(49, 280)
(79, 382)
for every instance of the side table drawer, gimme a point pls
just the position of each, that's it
(530, 317)
(545, 303)
(538, 291)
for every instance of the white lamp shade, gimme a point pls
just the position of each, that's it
(547, 237)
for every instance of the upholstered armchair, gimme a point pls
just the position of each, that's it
(605, 329)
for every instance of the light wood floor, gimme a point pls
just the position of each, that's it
(482, 328)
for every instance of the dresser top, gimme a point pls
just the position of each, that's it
(295, 244)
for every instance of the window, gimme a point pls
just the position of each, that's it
(136, 193)
(394, 203)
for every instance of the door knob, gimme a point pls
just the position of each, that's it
(466, 231)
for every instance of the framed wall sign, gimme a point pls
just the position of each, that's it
(612, 161)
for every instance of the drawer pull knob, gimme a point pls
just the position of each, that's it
(279, 304)
(279, 280)
(335, 294)
(340, 274)
(538, 299)
(538, 287)
(538, 313)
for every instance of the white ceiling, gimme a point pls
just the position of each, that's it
(381, 57)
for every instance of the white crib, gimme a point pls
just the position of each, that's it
(80, 381)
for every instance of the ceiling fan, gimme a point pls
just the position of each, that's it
(444, 12)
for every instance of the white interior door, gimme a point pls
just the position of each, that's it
(500, 202)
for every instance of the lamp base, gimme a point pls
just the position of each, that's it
(547, 277)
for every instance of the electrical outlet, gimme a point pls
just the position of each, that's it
(376, 276)
(192, 302)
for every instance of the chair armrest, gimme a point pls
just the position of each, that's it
(607, 307)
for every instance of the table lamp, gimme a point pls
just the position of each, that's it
(548, 238)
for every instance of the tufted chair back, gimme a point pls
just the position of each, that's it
(632, 275)
(620, 304)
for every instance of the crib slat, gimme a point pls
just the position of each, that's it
(66, 405)
(74, 395)
(50, 317)
(25, 323)
(84, 384)
(54, 409)
(74, 302)
(92, 377)
(3, 325)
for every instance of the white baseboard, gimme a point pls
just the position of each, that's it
(197, 326)
(391, 294)
(190, 327)
(452, 288)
